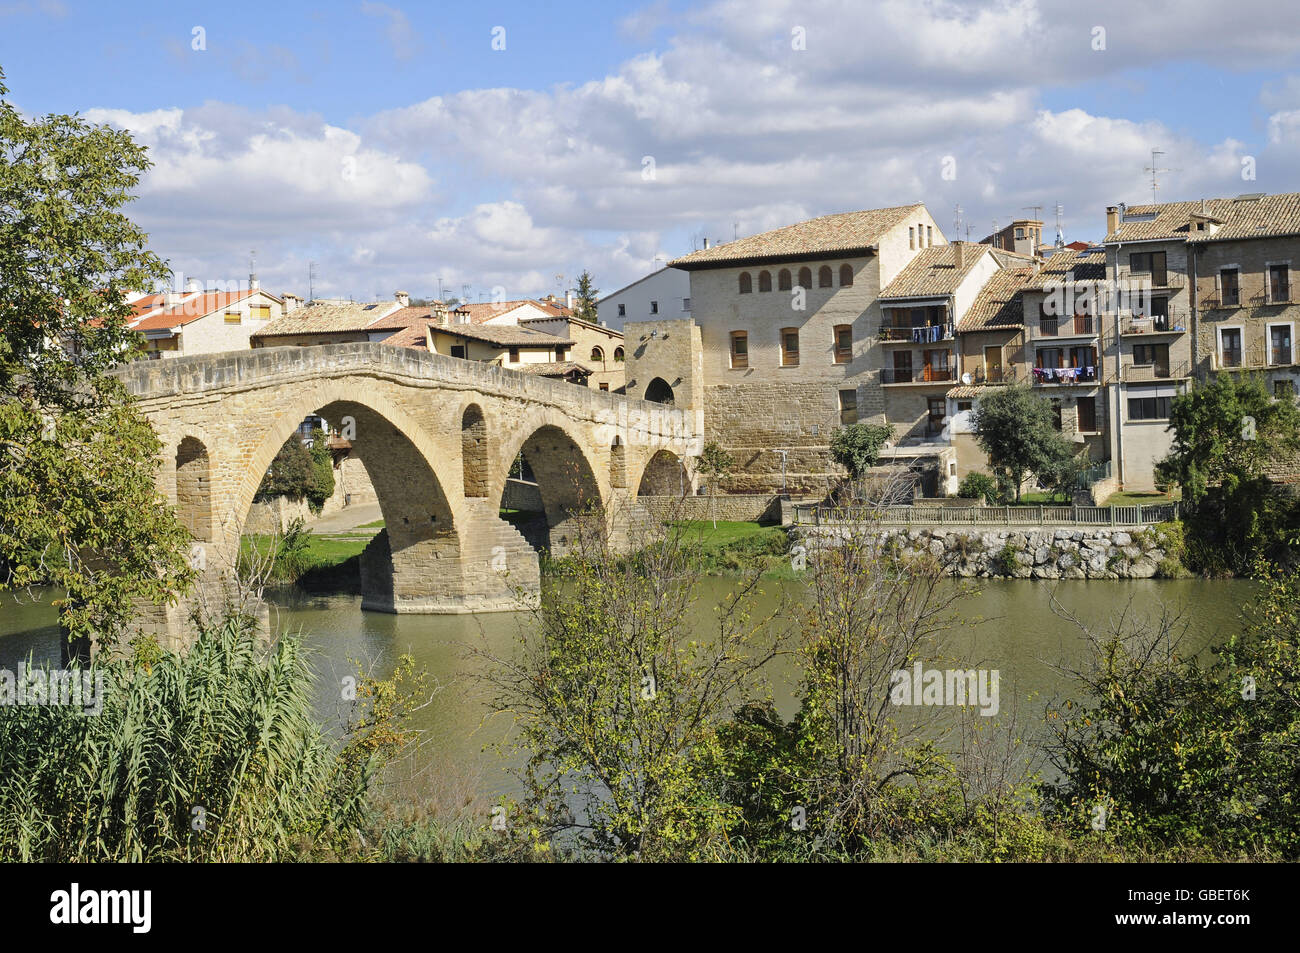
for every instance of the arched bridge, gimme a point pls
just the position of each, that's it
(438, 436)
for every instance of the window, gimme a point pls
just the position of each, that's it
(911, 237)
(739, 349)
(561, 354)
(936, 366)
(846, 276)
(964, 405)
(902, 368)
(654, 307)
(1230, 347)
(1279, 344)
(1087, 414)
(1279, 284)
(514, 355)
(929, 236)
(746, 283)
(1228, 284)
(618, 355)
(1283, 388)
(825, 277)
(233, 317)
(686, 304)
(764, 281)
(843, 343)
(1148, 408)
(598, 355)
(1154, 354)
(1152, 263)
(622, 311)
(936, 412)
(805, 278)
(604, 385)
(458, 350)
(783, 280)
(848, 407)
(1048, 324)
(1020, 233)
(789, 347)
(259, 312)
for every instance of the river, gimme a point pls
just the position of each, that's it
(1013, 630)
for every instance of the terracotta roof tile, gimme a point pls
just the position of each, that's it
(999, 303)
(503, 335)
(1264, 216)
(328, 319)
(846, 232)
(191, 309)
(934, 271)
(1070, 265)
(554, 368)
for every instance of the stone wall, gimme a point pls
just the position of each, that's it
(749, 508)
(1031, 552)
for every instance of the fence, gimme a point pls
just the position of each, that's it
(818, 514)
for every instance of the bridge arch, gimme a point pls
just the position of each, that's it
(194, 487)
(664, 474)
(566, 479)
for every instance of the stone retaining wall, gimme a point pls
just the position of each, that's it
(1030, 552)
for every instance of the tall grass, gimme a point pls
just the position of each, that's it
(209, 755)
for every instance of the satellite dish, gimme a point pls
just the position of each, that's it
(966, 378)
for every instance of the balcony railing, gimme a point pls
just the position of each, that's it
(920, 375)
(1078, 325)
(927, 334)
(994, 375)
(1175, 322)
(1064, 375)
(1280, 356)
(1154, 372)
(1235, 359)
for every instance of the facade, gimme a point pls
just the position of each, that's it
(511, 312)
(203, 322)
(1023, 236)
(663, 295)
(512, 346)
(600, 350)
(340, 322)
(787, 324)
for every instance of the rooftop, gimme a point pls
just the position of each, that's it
(330, 318)
(555, 368)
(1247, 216)
(934, 271)
(502, 335)
(195, 306)
(844, 233)
(999, 303)
(1070, 264)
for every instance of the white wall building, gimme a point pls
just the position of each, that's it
(663, 295)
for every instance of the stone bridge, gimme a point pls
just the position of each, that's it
(438, 436)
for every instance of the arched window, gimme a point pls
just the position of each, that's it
(659, 392)
(843, 343)
(746, 284)
(783, 280)
(789, 347)
(598, 355)
(824, 276)
(764, 281)
(618, 355)
(846, 276)
(739, 349)
(805, 277)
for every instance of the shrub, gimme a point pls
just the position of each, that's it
(979, 486)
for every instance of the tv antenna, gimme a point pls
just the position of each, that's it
(735, 231)
(1155, 170)
(311, 281)
(956, 220)
(1060, 231)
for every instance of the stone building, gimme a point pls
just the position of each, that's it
(782, 345)
(597, 348)
(203, 322)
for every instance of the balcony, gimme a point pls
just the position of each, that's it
(907, 334)
(1137, 373)
(1175, 322)
(1280, 356)
(1081, 325)
(994, 375)
(1057, 376)
(921, 375)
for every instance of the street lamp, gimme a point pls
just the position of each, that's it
(783, 454)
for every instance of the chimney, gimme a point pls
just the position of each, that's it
(958, 254)
(568, 299)
(403, 298)
(291, 303)
(1112, 219)
(253, 283)
(706, 244)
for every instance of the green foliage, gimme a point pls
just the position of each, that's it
(715, 464)
(300, 473)
(1016, 428)
(1005, 560)
(857, 447)
(209, 755)
(78, 501)
(585, 297)
(980, 486)
(1226, 434)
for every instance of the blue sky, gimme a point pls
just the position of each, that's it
(392, 145)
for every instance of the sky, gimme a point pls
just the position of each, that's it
(499, 149)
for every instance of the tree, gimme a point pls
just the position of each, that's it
(322, 460)
(584, 306)
(1227, 434)
(857, 447)
(715, 464)
(79, 506)
(1017, 429)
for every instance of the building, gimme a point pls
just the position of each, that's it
(781, 347)
(600, 350)
(663, 295)
(343, 322)
(511, 346)
(512, 312)
(182, 324)
(1023, 236)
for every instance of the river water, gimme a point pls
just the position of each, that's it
(1012, 628)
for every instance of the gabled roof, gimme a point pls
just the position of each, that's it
(999, 303)
(1251, 216)
(555, 369)
(502, 335)
(485, 311)
(578, 321)
(412, 336)
(1069, 264)
(846, 233)
(328, 319)
(934, 272)
(197, 305)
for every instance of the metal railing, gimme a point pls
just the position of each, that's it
(1094, 474)
(819, 514)
(1064, 375)
(995, 375)
(1050, 327)
(1175, 322)
(925, 334)
(921, 375)
(1154, 372)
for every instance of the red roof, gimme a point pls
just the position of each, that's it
(198, 305)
